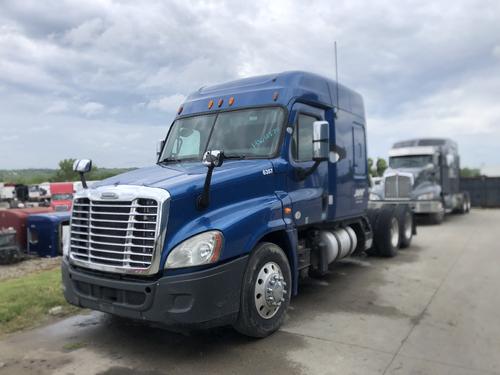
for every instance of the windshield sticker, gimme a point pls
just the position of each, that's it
(270, 134)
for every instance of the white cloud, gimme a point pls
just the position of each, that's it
(57, 107)
(167, 103)
(423, 67)
(91, 108)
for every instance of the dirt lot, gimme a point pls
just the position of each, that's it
(28, 266)
(432, 310)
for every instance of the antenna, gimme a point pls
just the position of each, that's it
(336, 74)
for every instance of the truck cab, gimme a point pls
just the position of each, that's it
(61, 196)
(434, 167)
(257, 182)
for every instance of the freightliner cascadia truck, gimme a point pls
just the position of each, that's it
(259, 182)
(434, 167)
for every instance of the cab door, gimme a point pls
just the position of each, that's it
(309, 195)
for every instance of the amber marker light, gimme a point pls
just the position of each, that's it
(288, 211)
(210, 104)
(219, 103)
(179, 111)
(231, 100)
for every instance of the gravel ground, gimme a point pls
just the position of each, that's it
(28, 266)
(432, 310)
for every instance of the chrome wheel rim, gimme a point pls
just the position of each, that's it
(408, 226)
(270, 290)
(394, 232)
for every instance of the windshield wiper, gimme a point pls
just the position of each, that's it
(170, 160)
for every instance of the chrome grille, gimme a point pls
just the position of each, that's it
(397, 187)
(119, 234)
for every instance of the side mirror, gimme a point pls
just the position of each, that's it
(320, 140)
(449, 159)
(159, 147)
(82, 165)
(213, 158)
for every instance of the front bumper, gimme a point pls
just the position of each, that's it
(418, 207)
(199, 299)
(427, 207)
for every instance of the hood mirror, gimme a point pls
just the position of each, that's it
(83, 166)
(212, 159)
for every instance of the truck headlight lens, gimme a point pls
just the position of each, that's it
(426, 197)
(204, 248)
(374, 197)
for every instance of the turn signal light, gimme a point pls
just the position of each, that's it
(210, 104)
(231, 100)
(287, 211)
(219, 103)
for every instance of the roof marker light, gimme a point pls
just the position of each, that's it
(179, 111)
(210, 104)
(219, 103)
(275, 95)
(231, 101)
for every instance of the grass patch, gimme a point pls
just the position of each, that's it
(72, 346)
(26, 301)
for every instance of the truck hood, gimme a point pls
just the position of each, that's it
(180, 177)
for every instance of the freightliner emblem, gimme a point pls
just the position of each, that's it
(109, 195)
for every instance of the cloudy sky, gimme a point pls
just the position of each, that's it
(102, 78)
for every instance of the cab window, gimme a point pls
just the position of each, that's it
(302, 147)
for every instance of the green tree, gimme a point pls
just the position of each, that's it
(65, 171)
(470, 172)
(370, 167)
(381, 166)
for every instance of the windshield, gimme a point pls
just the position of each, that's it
(242, 133)
(62, 197)
(410, 161)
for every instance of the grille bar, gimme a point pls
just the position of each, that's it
(120, 234)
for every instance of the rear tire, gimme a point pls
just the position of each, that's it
(266, 291)
(387, 233)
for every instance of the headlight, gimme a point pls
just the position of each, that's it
(374, 197)
(204, 248)
(426, 197)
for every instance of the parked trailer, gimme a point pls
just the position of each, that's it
(47, 232)
(259, 182)
(434, 164)
(16, 219)
(9, 251)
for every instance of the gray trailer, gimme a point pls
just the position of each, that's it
(434, 167)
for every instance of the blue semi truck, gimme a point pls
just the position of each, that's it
(259, 182)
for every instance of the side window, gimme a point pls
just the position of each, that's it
(358, 136)
(302, 147)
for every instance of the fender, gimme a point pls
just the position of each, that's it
(263, 214)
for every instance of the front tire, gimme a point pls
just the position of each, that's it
(437, 218)
(405, 226)
(266, 291)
